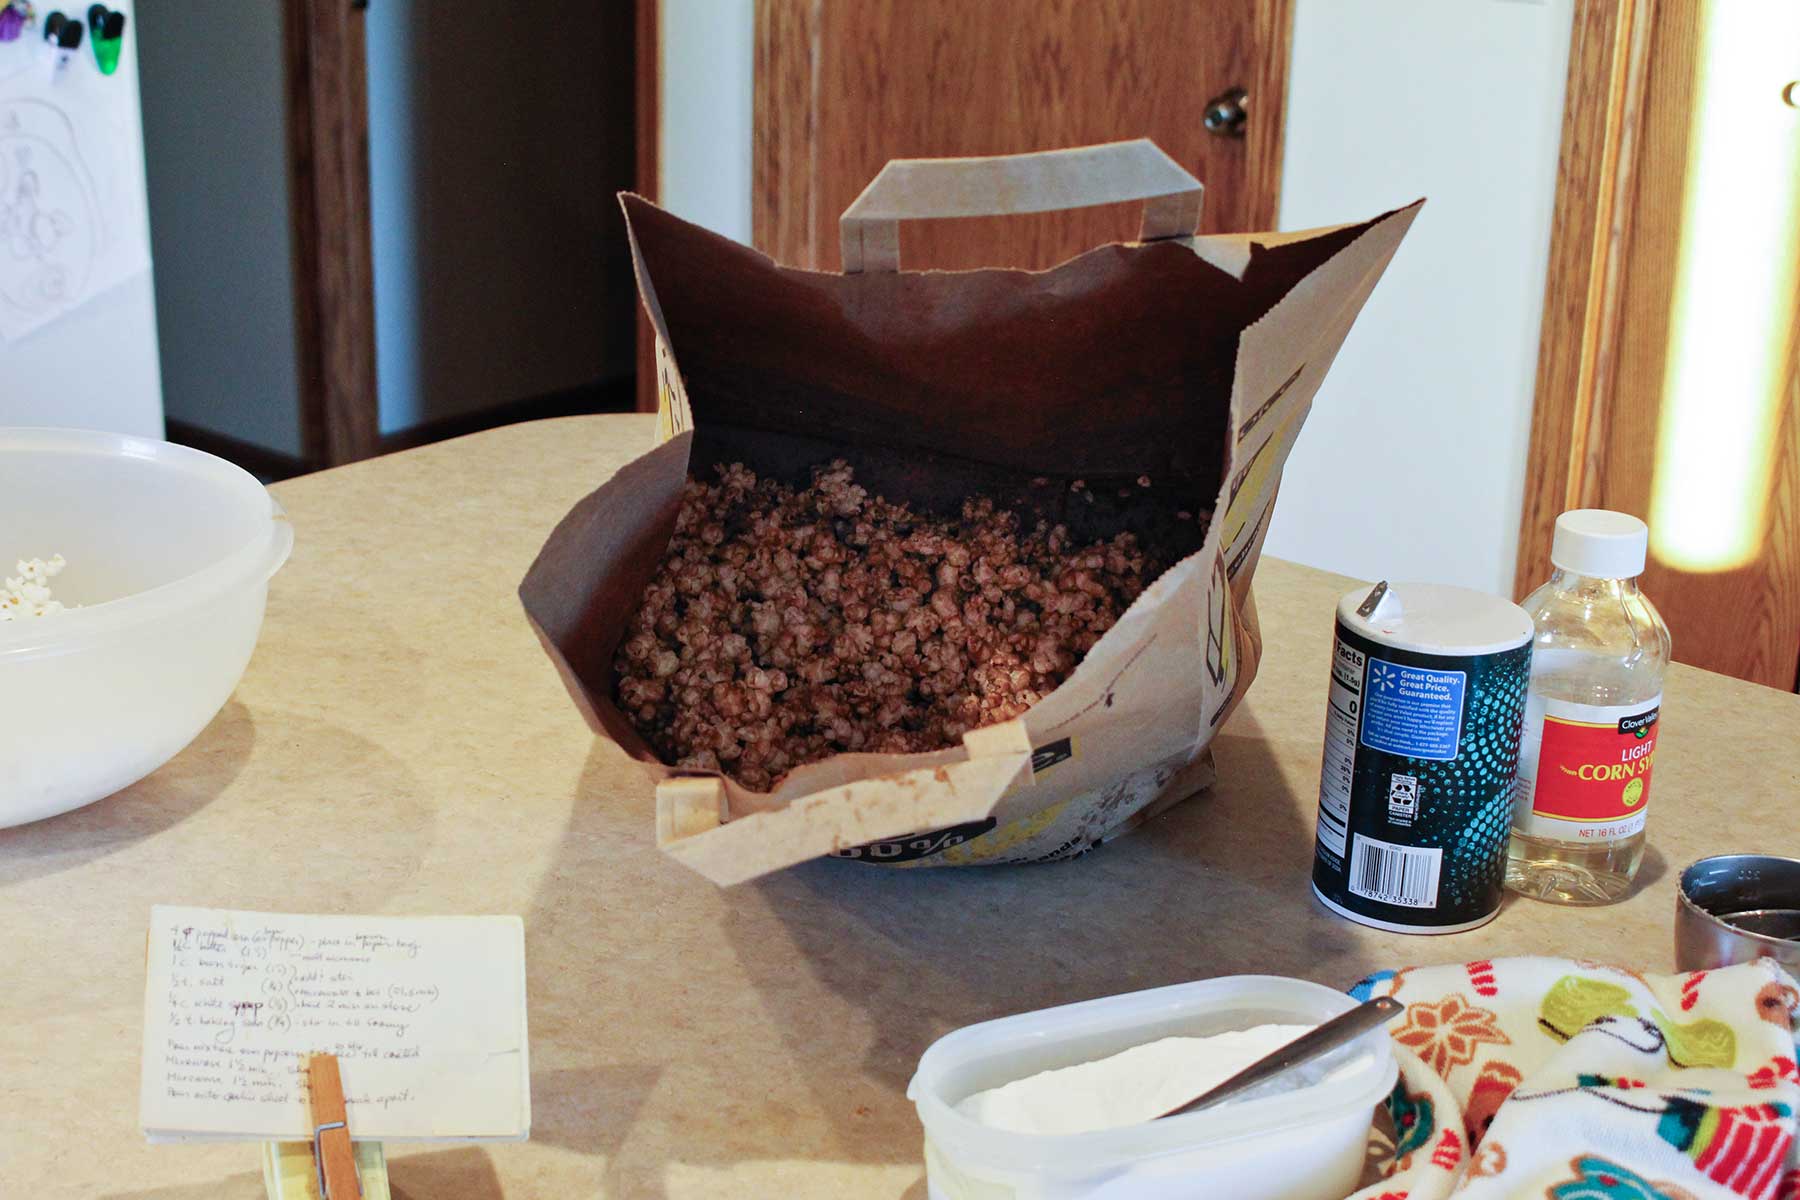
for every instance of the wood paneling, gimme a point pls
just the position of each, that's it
(1269, 47)
(1608, 300)
(784, 149)
(1601, 115)
(842, 86)
(647, 122)
(1777, 617)
(1744, 622)
(334, 274)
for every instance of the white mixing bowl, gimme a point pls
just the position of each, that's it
(169, 556)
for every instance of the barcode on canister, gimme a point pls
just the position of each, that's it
(1403, 875)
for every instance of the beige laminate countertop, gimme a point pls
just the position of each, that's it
(402, 745)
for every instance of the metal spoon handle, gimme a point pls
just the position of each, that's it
(1343, 1028)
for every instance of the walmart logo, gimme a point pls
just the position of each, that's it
(1384, 677)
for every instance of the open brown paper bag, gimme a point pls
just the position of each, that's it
(1192, 360)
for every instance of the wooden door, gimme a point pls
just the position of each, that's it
(334, 273)
(842, 86)
(1667, 381)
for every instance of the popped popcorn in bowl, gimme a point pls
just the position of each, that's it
(27, 594)
(152, 623)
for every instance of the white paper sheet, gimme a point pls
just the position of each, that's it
(73, 219)
(425, 1014)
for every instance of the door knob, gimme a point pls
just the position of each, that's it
(1226, 112)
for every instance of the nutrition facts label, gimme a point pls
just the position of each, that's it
(1342, 716)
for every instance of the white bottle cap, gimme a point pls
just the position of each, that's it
(1601, 543)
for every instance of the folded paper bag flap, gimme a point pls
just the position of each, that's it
(694, 826)
(1008, 737)
(689, 805)
(1002, 185)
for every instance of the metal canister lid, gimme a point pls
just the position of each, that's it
(1435, 618)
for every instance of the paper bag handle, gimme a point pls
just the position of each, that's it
(1045, 181)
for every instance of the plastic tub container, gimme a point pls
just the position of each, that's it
(1307, 1143)
(170, 552)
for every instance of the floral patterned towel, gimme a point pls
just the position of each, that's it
(1564, 1080)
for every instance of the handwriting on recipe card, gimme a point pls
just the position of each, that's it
(246, 1004)
(426, 1016)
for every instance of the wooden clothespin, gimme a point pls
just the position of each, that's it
(301, 1170)
(332, 1150)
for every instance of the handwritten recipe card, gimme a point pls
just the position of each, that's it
(425, 1014)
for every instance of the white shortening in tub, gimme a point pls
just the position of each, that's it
(1307, 1142)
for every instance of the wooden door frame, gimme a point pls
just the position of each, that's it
(1590, 232)
(328, 189)
(1626, 161)
(1266, 129)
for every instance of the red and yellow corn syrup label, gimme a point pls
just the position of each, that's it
(1596, 772)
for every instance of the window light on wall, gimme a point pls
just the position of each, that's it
(1732, 316)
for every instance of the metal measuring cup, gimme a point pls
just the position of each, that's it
(1735, 908)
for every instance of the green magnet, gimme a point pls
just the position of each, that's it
(106, 28)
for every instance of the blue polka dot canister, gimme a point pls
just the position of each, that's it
(1426, 699)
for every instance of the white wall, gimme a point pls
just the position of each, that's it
(215, 156)
(55, 377)
(1411, 465)
(393, 210)
(706, 107)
